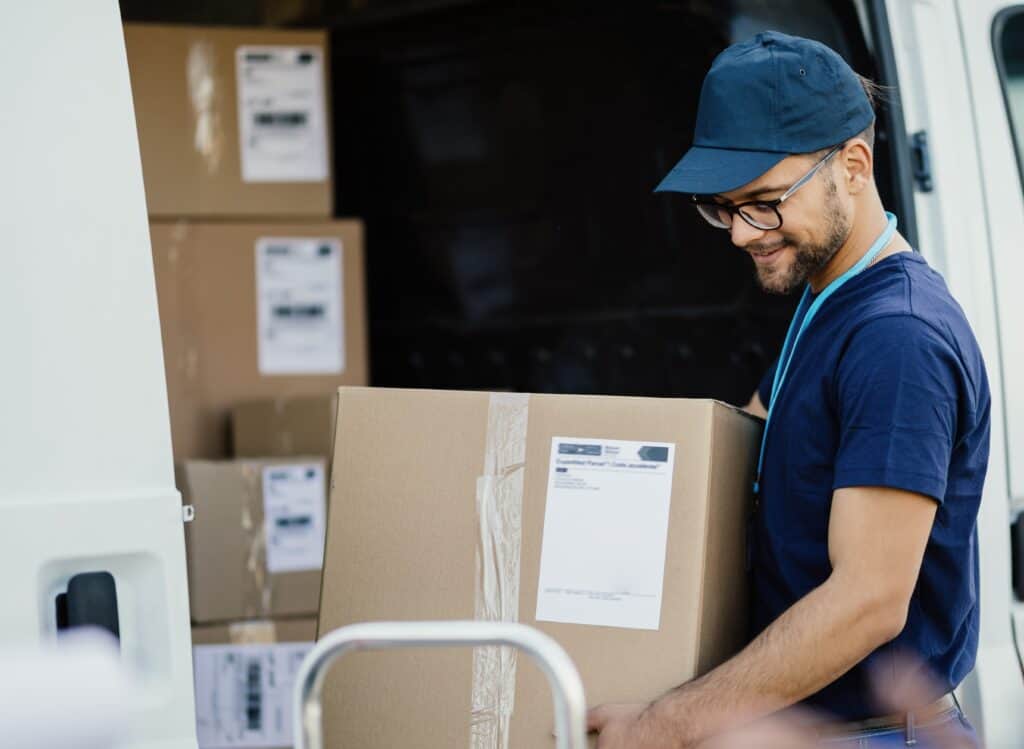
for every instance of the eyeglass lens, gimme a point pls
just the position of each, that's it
(758, 215)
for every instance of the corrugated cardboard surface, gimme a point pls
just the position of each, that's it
(255, 631)
(226, 547)
(206, 289)
(181, 179)
(403, 532)
(303, 425)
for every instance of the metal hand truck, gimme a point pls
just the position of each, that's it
(566, 687)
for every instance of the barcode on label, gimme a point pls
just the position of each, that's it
(254, 695)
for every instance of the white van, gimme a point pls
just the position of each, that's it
(959, 68)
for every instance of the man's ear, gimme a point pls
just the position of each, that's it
(857, 162)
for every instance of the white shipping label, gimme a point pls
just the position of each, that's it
(244, 693)
(294, 516)
(605, 531)
(301, 309)
(282, 119)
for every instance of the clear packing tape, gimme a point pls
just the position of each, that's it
(499, 505)
(204, 94)
(252, 633)
(256, 590)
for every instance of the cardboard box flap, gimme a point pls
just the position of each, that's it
(255, 632)
(283, 426)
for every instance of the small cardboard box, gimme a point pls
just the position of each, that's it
(255, 632)
(616, 525)
(244, 675)
(255, 546)
(252, 311)
(303, 425)
(232, 122)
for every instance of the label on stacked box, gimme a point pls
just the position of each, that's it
(294, 516)
(300, 306)
(282, 119)
(244, 694)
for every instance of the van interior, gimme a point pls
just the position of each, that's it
(503, 156)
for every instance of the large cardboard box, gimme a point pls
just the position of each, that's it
(232, 122)
(303, 425)
(616, 525)
(254, 310)
(255, 546)
(244, 675)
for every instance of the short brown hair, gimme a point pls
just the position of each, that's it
(876, 94)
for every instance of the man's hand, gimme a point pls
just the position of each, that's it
(877, 537)
(755, 407)
(617, 726)
(625, 727)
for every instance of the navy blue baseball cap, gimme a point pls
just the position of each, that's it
(763, 100)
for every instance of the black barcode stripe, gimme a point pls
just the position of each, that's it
(254, 695)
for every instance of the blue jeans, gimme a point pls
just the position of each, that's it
(949, 730)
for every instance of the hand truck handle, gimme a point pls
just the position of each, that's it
(566, 687)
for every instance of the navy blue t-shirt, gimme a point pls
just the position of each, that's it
(887, 388)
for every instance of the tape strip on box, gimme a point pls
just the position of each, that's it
(499, 505)
(252, 633)
(256, 590)
(203, 93)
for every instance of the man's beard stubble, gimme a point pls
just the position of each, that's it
(809, 258)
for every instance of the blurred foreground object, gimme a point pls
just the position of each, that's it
(72, 694)
(91, 526)
(904, 688)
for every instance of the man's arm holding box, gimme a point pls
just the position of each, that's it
(877, 537)
(756, 407)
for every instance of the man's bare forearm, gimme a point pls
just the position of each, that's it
(813, 643)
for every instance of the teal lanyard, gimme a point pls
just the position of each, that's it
(802, 319)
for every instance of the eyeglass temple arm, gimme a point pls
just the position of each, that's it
(807, 177)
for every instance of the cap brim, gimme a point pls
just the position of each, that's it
(711, 171)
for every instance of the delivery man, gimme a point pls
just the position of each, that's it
(864, 548)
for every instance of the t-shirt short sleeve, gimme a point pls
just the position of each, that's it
(897, 388)
(764, 390)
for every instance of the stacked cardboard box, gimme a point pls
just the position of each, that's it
(245, 672)
(255, 548)
(260, 291)
(232, 122)
(254, 552)
(302, 425)
(615, 525)
(255, 311)
(262, 313)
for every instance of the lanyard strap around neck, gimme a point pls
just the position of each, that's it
(805, 312)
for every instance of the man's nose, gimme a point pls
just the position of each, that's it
(743, 233)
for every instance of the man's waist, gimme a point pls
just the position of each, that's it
(919, 717)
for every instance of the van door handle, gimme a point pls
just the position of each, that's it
(91, 600)
(922, 159)
(1017, 555)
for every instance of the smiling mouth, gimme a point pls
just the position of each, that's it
(767, 256)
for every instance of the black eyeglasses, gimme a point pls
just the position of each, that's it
(761, 214)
